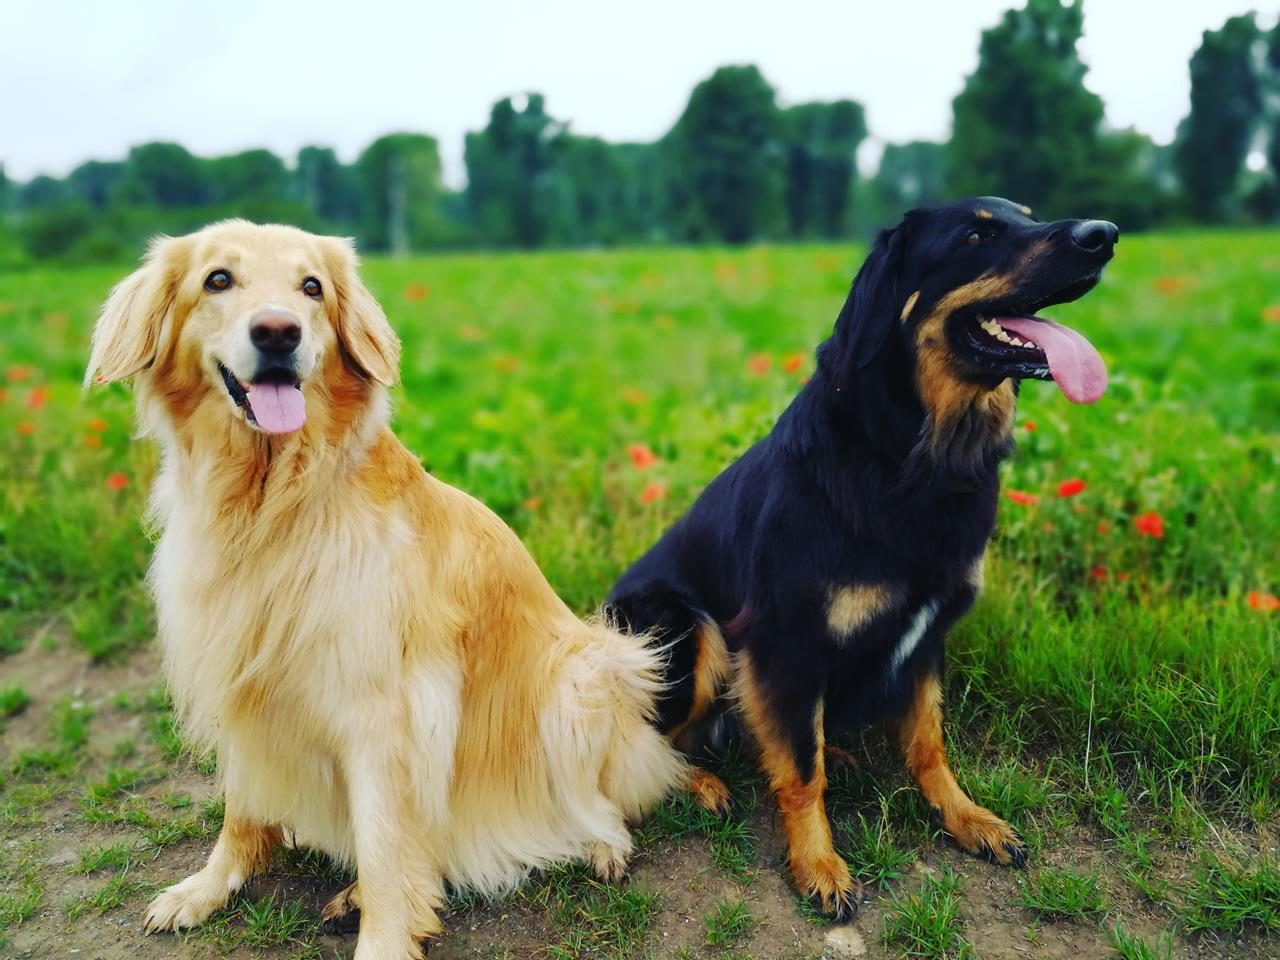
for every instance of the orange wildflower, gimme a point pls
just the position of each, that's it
(532, 503)
(758, 364)
(653, 492)
(26, 428)
(1149, 524)
(1099, 572)
(18, 373)
(1030, 426)
(1271, 314)
(1022, 497)
(97, 425)
(117, 481)
(37, 398)
(1263, 602)
(1069, 488)
(634, 396)
(1104, 528)
(92, 441)
(642, 458)
(1169, 285)
(792, 363)
(416, 292)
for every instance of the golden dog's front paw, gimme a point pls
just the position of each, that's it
(608, 863)
(185, 904)
(342, 913)
(979, 831)
(828, 885)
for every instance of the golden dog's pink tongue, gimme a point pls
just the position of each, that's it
(277, 407)
(1076, 366)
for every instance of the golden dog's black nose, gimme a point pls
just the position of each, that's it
(276, 334)
(1094, 236)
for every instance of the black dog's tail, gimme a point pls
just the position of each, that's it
(697, 665)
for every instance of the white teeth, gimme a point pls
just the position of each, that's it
(1017, 343)
(997, 331)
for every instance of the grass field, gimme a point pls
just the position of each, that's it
(1115, 694)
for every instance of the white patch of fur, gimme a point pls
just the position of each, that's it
(920, 624)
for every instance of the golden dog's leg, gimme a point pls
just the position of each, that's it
(974, 828)
(799, 781)
(243, 848)
(395, 885)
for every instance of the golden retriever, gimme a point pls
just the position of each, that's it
(382, 669)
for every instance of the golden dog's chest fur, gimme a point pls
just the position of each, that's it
(378, 662)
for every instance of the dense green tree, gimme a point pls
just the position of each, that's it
(95, 182)
(910, 175)
(1214, 139)
(1025, 121)
(43, 192)
(821, 148)
(400, 187)
(589, 177)
(247, 180)
(726, 160)
(1273, 83)
(326, 187)
(511, 188)
(164, 175)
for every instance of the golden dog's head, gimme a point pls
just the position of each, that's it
(259, 325)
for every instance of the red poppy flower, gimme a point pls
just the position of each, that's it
(1099, 572)
(117, 481)
(653, 492)
(97, 425)
(758, 364)
(18, 373)
(1069, 488)
(1021, 497)
(1104, 528)
(1030, 426)
(642, 458)
(37, 398)
(792, 363)
(1149, 525)
(1122, 577)
(26, 428)
(1263, 602)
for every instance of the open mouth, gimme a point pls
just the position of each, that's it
(1007, 339)
(273, 402)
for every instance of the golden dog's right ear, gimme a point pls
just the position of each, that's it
(130, 328)
(368, 343)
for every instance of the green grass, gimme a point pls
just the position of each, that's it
(728, 923)
(1060, 894)
(1108, 681)
(926, 922)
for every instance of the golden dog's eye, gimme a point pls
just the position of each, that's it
(311, 287)
(217, 281)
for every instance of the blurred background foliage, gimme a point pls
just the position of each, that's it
(736, 167)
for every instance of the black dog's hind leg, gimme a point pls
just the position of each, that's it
(697, 668)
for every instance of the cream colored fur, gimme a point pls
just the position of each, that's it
(380, 665)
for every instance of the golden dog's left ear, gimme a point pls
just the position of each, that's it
(368, 343)
(130, 328)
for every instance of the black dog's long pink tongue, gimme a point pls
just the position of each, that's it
(1076, 366)
(277, 407)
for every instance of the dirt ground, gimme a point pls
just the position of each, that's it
(52, 836)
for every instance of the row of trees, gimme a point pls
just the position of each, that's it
(735, 167)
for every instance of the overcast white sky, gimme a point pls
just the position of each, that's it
(81, 79)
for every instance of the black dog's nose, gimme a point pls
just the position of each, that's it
(1094, 235)
(276, 333)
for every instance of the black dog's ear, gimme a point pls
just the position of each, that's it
(871, 309)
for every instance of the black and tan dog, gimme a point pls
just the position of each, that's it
(811, 586)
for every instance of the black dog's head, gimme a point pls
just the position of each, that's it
(954, 289)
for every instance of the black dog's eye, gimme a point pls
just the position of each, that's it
(974, 238)
(311, 287)
(217, 281)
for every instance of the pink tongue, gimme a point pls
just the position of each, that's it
(277, 407)
(1076, 366)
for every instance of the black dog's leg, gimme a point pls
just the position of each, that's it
(783, 710)
(697, 667)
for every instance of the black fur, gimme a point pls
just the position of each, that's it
(843, 491)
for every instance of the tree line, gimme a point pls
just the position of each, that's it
(735, 167)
